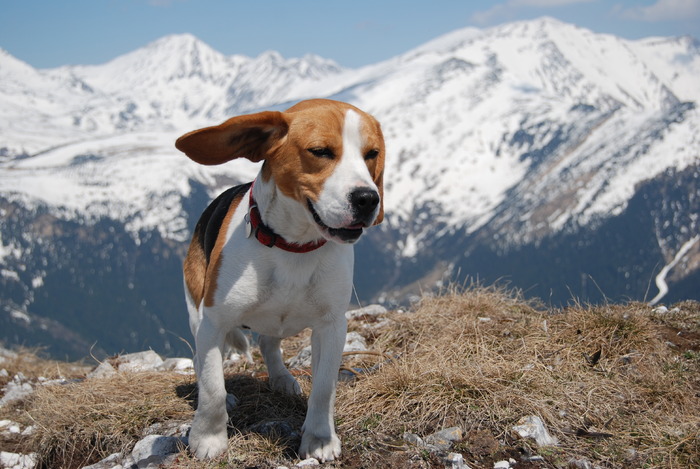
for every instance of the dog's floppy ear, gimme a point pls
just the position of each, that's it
(250, 136)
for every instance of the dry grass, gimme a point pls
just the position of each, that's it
(32, 364)
(602, 378)
(606, 381)
(80, 423)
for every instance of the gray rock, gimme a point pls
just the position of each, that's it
(231, 402)
(113, 461)
(155, 450)
(444, 439)
(413, 439)
(168, 428)
(275, 428)
(533, 427)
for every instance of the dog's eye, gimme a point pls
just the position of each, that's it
(372, 154)
(322, 152)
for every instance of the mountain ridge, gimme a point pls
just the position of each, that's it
(509, 150)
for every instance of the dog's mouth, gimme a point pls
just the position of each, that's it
(346, 234)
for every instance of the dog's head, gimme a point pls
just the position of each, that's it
(326, 155)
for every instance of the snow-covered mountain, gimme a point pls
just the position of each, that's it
(537, 151)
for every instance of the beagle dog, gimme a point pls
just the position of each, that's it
(276, 256)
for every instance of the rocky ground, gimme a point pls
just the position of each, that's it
(475, 379)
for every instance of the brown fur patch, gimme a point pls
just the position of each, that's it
(194, 269)
(319, 124)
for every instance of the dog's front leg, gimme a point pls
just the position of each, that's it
(208, 437)
(319, 439)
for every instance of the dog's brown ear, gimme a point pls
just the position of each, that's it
(250, 136)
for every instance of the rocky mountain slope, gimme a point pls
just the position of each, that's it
(541, 154)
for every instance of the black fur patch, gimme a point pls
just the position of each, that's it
(209, 223)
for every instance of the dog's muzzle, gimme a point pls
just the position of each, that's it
(363, 203)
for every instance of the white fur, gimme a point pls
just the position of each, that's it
(278, 294)
(333, 206)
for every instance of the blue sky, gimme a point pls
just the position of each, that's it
(50, 33)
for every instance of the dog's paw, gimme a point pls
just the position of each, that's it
(321, 448)
(285, 383)
(208, 446)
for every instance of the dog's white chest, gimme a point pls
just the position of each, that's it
(292, 293)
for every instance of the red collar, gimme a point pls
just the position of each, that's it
(271, 239)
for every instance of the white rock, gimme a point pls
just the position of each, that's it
(179, 365)
(16, 390)
(533, 427)
(301, 359)
(103, 370)
(17, 461)
(153, 450)
(9, 427)
(455, 461)
(7, 354)
(4, 373)
(371, 310)
(140, 361)
(308, 463)
(501, 465)
(580, 464)
(354, 342)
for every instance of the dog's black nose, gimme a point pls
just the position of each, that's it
(363, 202)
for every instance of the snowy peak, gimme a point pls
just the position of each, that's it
(564, 62)
(163, 61)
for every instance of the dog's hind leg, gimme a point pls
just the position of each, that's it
(238, 341)
(208, 437)
(280, 377)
